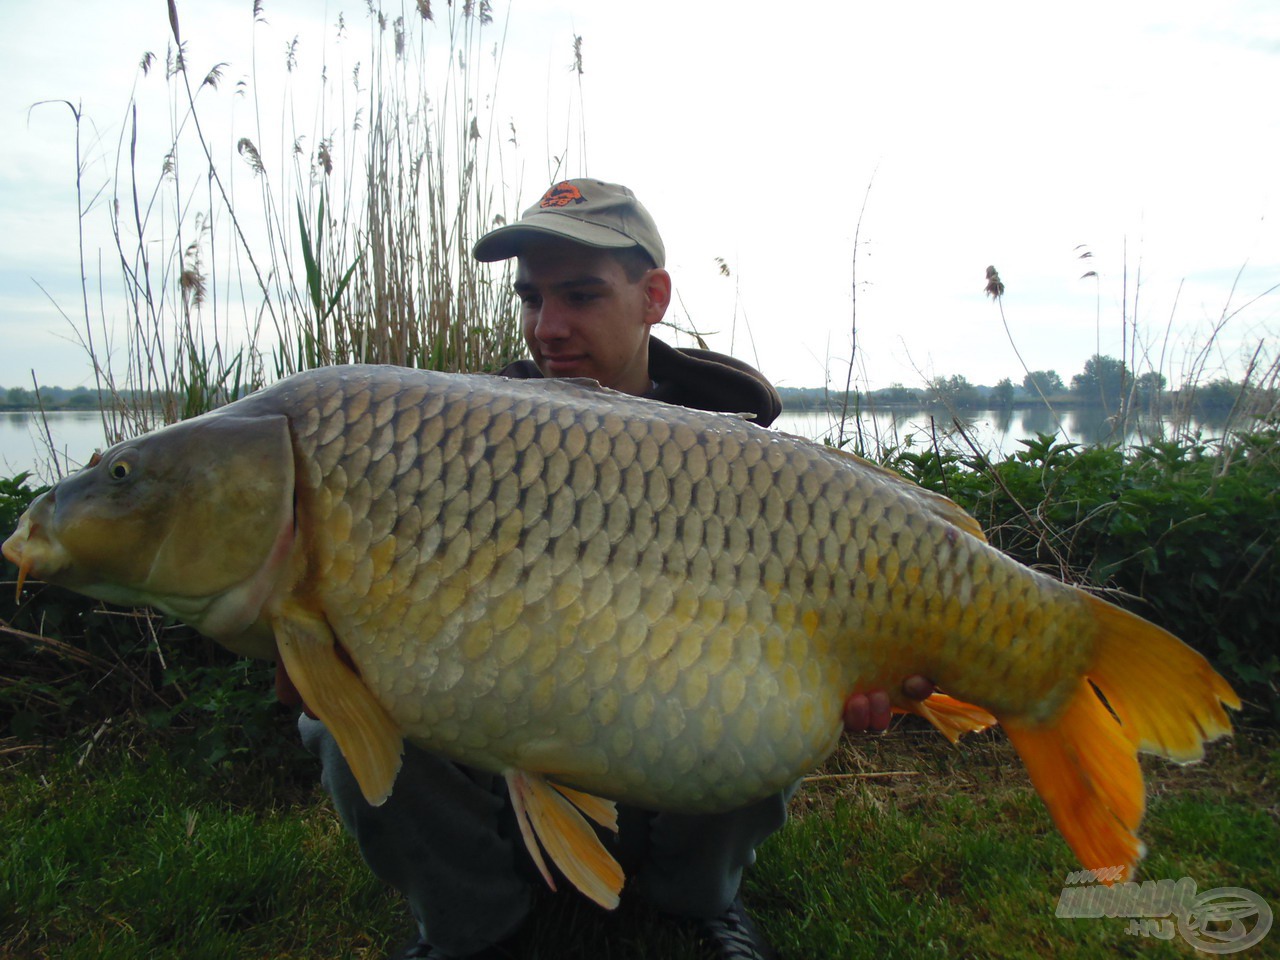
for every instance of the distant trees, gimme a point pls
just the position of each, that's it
(1148, 386)
(1002, 394)
(1218, 394)
(953, 391)
(897, 393)
(1103, 380)
(49, 398)
(1048, 382)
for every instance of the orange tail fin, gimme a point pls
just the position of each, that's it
(1168, 700)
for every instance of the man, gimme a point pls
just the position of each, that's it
(592, 285)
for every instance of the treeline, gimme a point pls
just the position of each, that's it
(84, 398)
(1104, 381)
(49, 398)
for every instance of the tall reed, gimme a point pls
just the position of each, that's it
(346, 242)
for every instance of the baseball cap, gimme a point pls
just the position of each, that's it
(603, 215)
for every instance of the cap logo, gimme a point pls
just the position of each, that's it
(561, 195)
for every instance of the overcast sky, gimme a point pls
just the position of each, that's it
(982, 133)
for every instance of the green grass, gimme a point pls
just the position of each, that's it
(131, 858)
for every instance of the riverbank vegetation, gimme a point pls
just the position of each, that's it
(156, 801)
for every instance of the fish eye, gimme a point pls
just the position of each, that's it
(120, 468)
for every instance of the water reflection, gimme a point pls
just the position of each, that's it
(25, 441)
(995, 432)
(76, 434)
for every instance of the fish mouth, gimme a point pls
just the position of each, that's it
(33, 553)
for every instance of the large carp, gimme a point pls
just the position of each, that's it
(601, 596)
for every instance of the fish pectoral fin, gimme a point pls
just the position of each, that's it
(549, 819)
(952, 717)
(369, 739)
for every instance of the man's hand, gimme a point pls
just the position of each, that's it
(870, 712)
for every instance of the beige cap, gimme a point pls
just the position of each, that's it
(598, 214)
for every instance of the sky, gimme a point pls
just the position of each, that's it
(902, 146)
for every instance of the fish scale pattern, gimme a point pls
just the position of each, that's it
(550, 577)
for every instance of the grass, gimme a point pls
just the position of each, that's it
(132, 856)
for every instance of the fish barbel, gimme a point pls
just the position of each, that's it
(608, 598)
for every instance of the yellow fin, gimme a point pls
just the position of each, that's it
(951, 716)
(598, 809)
(367, 736)
(1087, 774)
(1167, 696)
(547, 817)
(1167, 700)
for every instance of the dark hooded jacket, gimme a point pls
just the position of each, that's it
(699, 379)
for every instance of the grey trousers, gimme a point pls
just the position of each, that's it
(447, 840)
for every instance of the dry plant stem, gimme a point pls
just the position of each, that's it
(393, 279)
(68, 650)
(999, 299)
(1035, 523)
(933, 436)
(817, 777)
(853, 319)
(214, 176)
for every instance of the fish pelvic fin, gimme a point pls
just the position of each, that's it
(549, 818)
(369, 739)
(950, 716)
(1163, 698)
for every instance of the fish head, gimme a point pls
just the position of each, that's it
(195, 519)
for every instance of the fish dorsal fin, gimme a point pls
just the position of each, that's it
(550, 820)
(369, 739)
(941, 507)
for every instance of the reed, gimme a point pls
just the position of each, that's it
(344, 241)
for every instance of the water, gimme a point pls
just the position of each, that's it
(76, 434)
(995, 432)
(23, 446)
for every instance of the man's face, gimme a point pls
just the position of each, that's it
(582, 317)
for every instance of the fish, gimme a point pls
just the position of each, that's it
(607, 599)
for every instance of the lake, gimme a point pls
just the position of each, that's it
(23, 445)
(995, 432)
(76, 434)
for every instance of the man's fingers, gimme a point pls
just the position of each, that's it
(871, 712)
(881, 711)
(857, 713)
(917, 687)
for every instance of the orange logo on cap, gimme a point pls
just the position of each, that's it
(561, 195)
